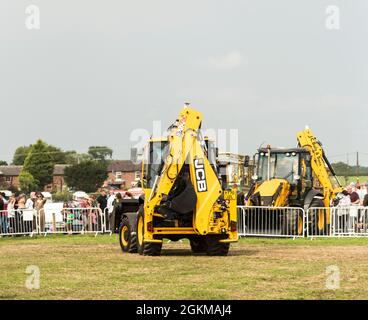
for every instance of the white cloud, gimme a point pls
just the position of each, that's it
(230, 60)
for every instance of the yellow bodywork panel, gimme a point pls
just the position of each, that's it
(206, 185)
(277, 188)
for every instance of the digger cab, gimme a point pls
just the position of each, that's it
(156, 152)
(283, 177)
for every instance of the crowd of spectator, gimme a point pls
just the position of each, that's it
(80, 214)
(355, 194)
(107, 202)
(12, 207)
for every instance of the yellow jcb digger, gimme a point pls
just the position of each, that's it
(183, 197)
(295, 177)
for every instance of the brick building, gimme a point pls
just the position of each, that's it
(122, 174)
(9, 178)
(58, 183)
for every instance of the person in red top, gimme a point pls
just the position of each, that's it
(3, 214)
(354, 196)
(83, 204)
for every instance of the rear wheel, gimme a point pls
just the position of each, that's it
(215, 247)
(198, 244)
(124, 235)
(127, 239)
(146, 248)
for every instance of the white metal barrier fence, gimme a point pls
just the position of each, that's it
(68, 220)
(337, 221)
(71, 220)
(18, 222)
(252, 221)
(271, 221)
(319, 222)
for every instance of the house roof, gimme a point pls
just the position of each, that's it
(123, 166)
(10, 170)
(14, 171)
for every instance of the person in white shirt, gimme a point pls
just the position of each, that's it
(110, 201)
(361, 191)
(110, 208)
(29, 202)
(343, 211)
(364, 190)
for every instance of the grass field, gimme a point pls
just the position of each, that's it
(85, 267)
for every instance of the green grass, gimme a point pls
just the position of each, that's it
(87, 267)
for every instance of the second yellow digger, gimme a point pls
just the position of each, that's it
(295, 177)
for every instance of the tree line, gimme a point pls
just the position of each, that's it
(84, 171)
(343, 169)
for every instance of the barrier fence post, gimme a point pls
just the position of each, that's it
(107, 221)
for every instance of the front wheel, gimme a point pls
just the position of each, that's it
(127, 239)
(198, 244)
(215, 247)
(146, 248)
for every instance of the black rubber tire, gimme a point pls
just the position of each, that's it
(125, 237)
(134, 244)
(290, 224)
(140, 233)
(130, 244)
(216, 248)
(145, 248)
(314, 219)
(198, 244)
(152, 248)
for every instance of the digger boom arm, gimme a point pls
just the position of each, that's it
(319, 163)
(184, 145)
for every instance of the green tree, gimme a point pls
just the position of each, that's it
(27, 182)
(58, 155)
(100, 153)
(87, 176)
(72, 157)
(3, 163)
(341, 168)
(40, 164)
(20, 155)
